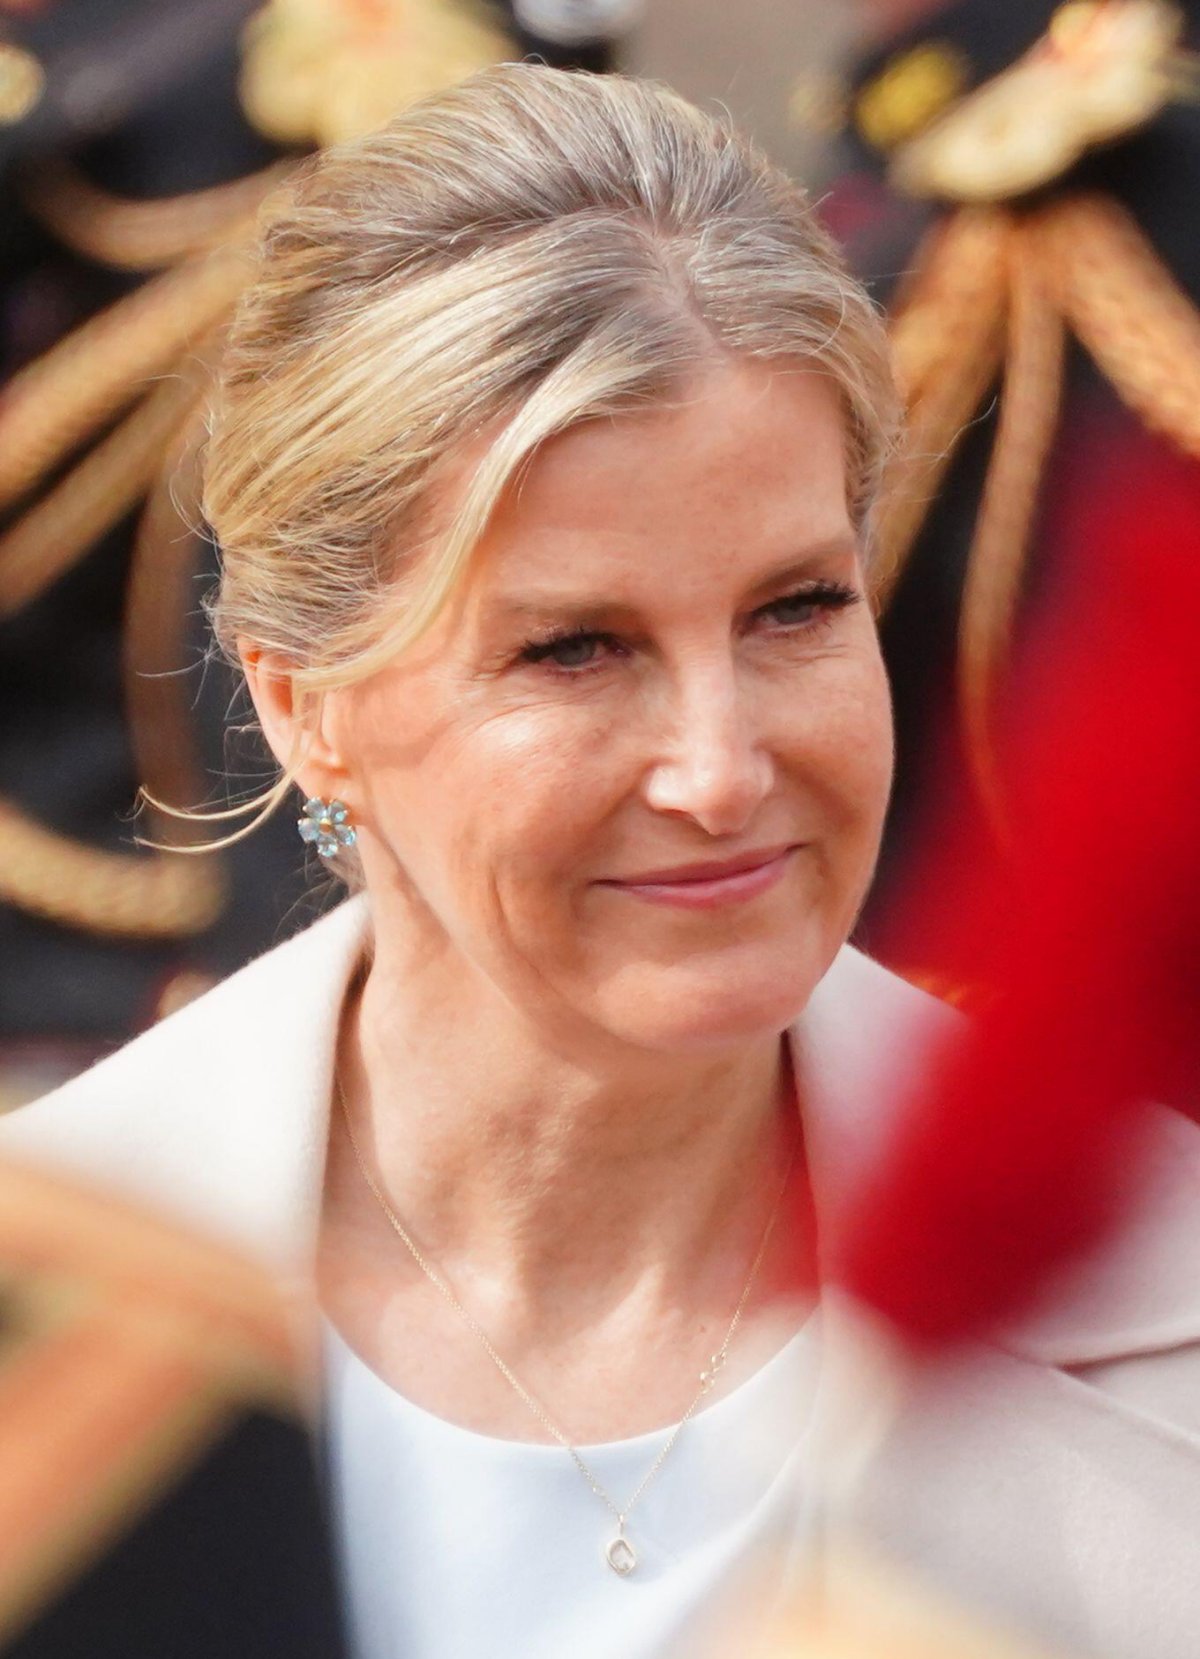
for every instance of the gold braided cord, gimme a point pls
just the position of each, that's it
(51, 406)
(958, 267)
(949, 346)
(1028, 418)
(96, 1424)
(1081, 263)
(205, 1296)
(114, 894)
(47, 540)
(1127, 309)
(71, 883)
(954, 260)
(158, 602)
(140, 236)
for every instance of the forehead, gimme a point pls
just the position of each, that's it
(745, 468)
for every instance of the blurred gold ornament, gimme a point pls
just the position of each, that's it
(948, 336)
(120, 895)
(22, 81)
(67, 395)
(133, 235)
(1103, 69)
(910, 93)
(818, 101)
(861, 1606)
(323, 71)
(110, 414)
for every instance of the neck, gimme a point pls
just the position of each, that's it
(565, 1178)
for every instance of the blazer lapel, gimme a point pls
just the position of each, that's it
(1141, 1293)
(857, 1047)
(219, 1115)
(1051, 1479)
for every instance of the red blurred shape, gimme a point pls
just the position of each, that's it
(1014, 1158)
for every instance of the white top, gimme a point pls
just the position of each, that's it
(456, 1545)
(1055, 1486)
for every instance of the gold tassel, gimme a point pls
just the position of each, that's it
(94, 496)
(50, 407)
(955, 265)
(1127, 309)
(157, 605)
(48, 873)
(114, 894)
(141, 236)
(948, 345)
(1029, 408)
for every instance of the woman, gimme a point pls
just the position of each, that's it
(542, 469)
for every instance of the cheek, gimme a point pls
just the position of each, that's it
(494, 807)
(843, 743)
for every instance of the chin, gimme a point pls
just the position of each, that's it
(701, 1005)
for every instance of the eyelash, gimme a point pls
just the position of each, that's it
(827, 597)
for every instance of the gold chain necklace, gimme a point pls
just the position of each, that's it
(619, 1551)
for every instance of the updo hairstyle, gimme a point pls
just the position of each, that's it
(524, 252)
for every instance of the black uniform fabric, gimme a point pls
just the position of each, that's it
(231, 1562)
(162, 1493)
(164, 120)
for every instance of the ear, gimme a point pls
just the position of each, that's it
(295, 727)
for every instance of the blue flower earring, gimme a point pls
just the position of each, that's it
(326, 824)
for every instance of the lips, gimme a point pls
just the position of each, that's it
(712, 870)
(712, 884)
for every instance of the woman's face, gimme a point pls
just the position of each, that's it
(636, 776)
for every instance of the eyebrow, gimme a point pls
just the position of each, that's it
(806, 567)
(591, 608)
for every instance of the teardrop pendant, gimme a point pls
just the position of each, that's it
(620, 1554)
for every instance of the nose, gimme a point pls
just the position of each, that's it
(713, 766)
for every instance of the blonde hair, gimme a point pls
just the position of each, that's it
(526, 251)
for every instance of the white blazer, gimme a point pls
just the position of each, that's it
(1053, 1481)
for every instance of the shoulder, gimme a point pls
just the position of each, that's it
(1131, 1311)
(192, 1114)
(255, 1009)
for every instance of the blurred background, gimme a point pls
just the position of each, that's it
(1016, 180)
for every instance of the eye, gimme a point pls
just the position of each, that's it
(796, 608)
(573, 652)
(814, 603)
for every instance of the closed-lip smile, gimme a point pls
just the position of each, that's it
(703, 885)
